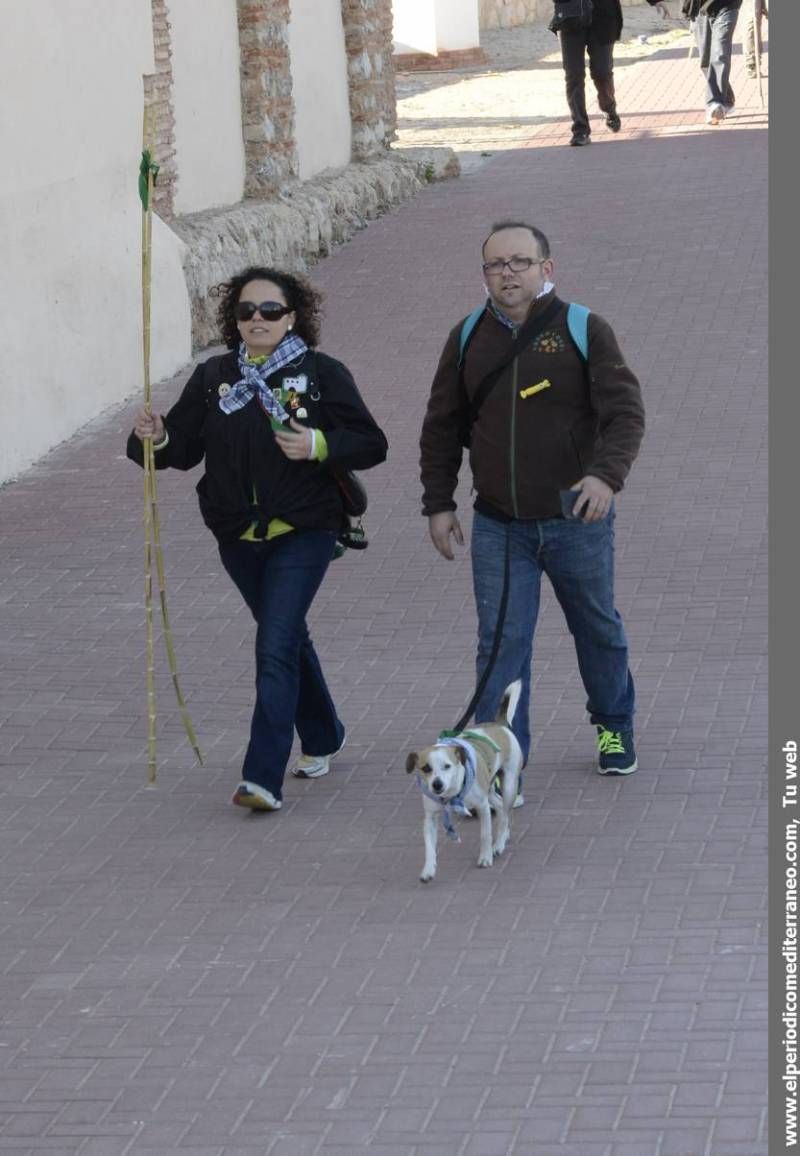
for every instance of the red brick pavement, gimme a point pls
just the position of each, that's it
(179, 977)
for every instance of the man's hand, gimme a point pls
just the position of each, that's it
(296, 445)
(148, 425)
(663, 11)
(441, 526)
(593, 500)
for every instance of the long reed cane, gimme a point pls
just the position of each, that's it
(757, 46)
(162, 594)
(146, 178)
(148, 171)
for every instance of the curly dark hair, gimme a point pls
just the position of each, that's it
(305, 300)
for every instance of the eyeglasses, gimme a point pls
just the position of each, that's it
(268, 310)
(516, 265)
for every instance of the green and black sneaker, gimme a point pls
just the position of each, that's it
(617, 754)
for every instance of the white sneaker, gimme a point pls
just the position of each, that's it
(518, 802)
(314, 766)
(255, 797)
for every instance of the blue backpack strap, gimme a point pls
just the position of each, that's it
(578, 326)
(467, 327)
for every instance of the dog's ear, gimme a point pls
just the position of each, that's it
(411, 762)
(461, 755)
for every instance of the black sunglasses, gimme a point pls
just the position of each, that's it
(269, 310)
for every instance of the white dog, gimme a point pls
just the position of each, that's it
(458, 774)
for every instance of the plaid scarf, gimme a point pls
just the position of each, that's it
(254, 377)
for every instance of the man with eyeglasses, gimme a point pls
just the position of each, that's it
(552, 436)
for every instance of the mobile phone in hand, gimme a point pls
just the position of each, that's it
(568, 500)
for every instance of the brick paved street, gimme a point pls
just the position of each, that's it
(178, 976)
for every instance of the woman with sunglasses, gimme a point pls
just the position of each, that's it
(270, 417)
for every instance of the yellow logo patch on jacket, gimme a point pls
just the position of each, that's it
(549, 342)
(532, 389)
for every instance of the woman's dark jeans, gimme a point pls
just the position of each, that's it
(278, 580)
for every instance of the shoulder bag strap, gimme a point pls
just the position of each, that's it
(526, 334)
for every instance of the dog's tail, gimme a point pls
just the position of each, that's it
(509, 704)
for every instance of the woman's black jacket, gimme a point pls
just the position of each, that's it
(248, 478)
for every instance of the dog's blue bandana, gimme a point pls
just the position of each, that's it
(456, 805)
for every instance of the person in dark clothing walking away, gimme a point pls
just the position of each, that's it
(713, 22)
(598, 40)
(554, 436)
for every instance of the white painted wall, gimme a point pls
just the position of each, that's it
(319, 82)
(457, 24)
(209, 149)
(70, 221)
(435, 25)
(414, 28)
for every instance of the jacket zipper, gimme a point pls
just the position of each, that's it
(576, 452)
(514, 366)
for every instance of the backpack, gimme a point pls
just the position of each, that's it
(577, 325)
(571, 16)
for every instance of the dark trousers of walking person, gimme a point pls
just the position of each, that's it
(574, 46)
(278, 580)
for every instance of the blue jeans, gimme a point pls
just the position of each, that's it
(714, 37)
(578, 558)
(278, 580)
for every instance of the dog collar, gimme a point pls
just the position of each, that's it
(449, 806)
(456, 805)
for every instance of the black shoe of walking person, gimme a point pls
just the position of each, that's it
(580, 138)
(613, 121)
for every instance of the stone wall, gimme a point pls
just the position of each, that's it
(158, 95)
(294, 231)
(510, 13)
(368, 42)
(268, 120)
(284, 220)
(267, 105)
(428, 62)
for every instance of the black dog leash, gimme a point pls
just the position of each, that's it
(498, 634)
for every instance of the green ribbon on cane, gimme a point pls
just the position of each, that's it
(147, 168)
